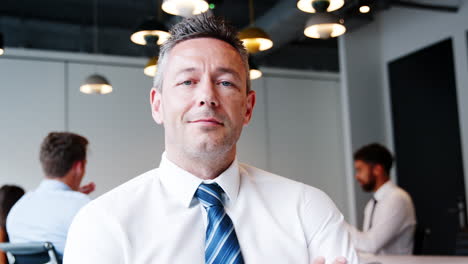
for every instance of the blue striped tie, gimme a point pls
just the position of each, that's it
(221, 245)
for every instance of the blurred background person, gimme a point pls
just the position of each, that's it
(9, 195)
(389, 217)
(46, 213)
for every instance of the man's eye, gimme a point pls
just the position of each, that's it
(187, 83)
(225, 83)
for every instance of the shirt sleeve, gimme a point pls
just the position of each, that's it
(95, 238)
(325, 229)
(391, 220)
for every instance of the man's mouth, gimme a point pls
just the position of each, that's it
(207, 121)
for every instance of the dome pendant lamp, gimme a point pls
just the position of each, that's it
(254, 72)
(324, 26)
(151, 66)
(95, 83)
(150, 31)
(185, 8)
(2, 47)
(365, 6)
(254, 38)
(316, 6)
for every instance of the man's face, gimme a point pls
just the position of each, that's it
(365, 175)
(203, 104)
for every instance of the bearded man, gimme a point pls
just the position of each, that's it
(389, 217)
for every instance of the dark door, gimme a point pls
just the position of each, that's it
(427, 143)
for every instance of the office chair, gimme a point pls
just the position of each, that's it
(461, 246)
(31, 253)
(420, 239)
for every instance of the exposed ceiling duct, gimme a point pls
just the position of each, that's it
(64, 25)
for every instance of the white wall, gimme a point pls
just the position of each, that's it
(31, 104)
(360, 61)
(39, 93)
(395, 33)
(296, 128)
(124, 139)
(305, 132)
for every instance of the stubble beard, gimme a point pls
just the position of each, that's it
(212, 149)
(370, 185)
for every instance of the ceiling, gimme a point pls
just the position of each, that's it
(67, 25)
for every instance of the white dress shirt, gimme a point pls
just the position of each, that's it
(155, 218)
(393, 223)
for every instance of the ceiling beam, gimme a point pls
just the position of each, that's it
(440, 8)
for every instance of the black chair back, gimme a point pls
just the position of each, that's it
(420, 235)
(461, 246)
(31, 253)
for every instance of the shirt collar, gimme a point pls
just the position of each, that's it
(182, 184)
(50, 184)
(384, 190)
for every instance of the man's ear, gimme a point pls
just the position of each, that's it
(78, 166)
(156, 109)
(378, 169)
(251, 99)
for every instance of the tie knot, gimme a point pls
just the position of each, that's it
(209, 194)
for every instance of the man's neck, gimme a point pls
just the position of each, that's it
(65, 180)
(203, 166)
(380, 182)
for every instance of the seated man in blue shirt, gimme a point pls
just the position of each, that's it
(46, 213)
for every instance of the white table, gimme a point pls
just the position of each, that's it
(368, 259)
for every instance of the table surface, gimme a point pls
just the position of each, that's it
(370, 259)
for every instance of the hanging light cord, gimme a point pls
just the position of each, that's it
(159, 10)
(251, 12)
(95, 18)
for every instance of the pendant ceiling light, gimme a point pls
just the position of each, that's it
(1, 45)
(364, 6)
(313, 6)
(364, 9)
(150, 31)
(254, 38)
(254, 72)
(324, 26)
(185, 8)
(151, 66)
(95, 83)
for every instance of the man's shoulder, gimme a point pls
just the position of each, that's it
(271, 181)
(399, 198)
(299, 201)
(401, 193)
(263, 177)
(54, 199)
(77, 196)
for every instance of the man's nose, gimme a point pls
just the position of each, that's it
(208, 94)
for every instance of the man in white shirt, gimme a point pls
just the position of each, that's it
(201, 205)
(389, 217)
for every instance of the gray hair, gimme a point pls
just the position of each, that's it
(200, 26)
